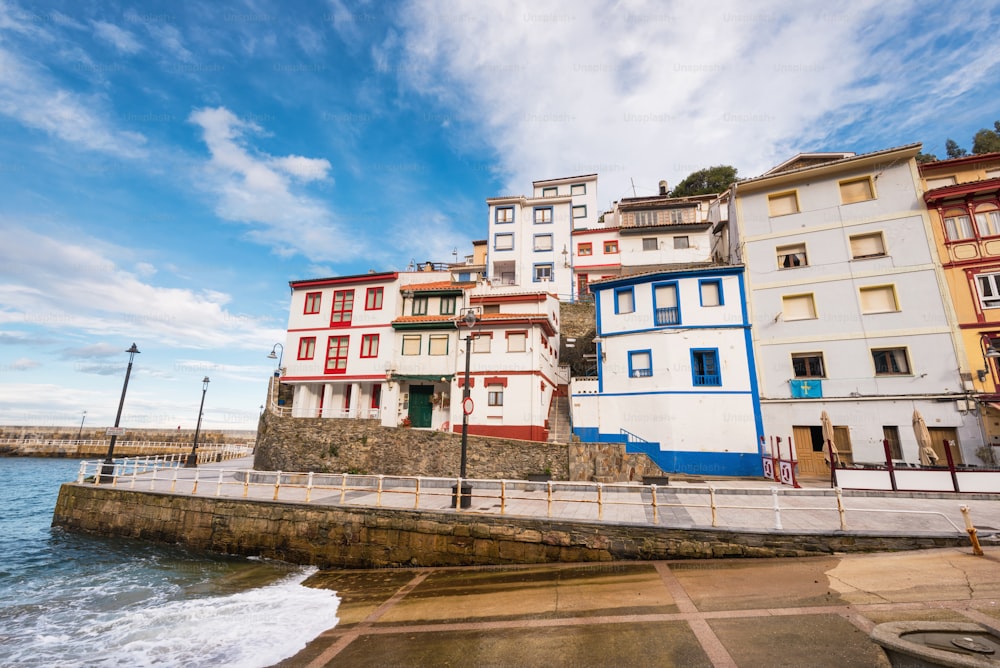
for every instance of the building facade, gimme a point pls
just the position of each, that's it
(529, 242)
(850, 311)
(963, 198)
(676, 376)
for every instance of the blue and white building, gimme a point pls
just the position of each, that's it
(676, 377)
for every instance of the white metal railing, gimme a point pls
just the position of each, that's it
(132, 467)
(620, 502)
(101, 445)
(332, 413)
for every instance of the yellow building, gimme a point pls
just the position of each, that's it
(963, 198)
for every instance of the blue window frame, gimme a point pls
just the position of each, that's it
(666, 304)
(625, 300)
(542, 272)
(543, 214)
(502, 242)
(705, 367)
(504, 214)
(640, 363)
(710, 291)
(543, 242)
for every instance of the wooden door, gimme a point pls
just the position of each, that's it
(938, 436)
(809, 451)
(420, 405)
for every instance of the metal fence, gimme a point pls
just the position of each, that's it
(771, 509)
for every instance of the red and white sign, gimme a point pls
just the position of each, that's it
(467, 405)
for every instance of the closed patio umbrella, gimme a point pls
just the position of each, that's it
(824, 420)
(927, 455)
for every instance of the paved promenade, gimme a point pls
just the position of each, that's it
(684, 503)
(816, 611)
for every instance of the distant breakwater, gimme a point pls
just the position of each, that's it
(366, 537)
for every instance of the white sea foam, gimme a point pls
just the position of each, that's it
(255, 627)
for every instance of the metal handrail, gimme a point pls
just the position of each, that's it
(503, 497)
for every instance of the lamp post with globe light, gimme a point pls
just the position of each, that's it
(462, 498)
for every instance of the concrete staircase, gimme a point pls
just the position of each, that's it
(560, 427)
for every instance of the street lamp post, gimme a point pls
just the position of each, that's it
(108, 469)
(192, 461)
(81, 425)
(463, 498)
(277, 356)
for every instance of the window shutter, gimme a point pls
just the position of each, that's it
(782, 205)
(856, 191)
(881, 299)
(867, 245)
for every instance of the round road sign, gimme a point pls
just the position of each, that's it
(467, 405)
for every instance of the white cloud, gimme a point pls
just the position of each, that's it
(23, 364)
(646, 90)
(103, 299)
(120, 39)
(30, 97)
(254, 188)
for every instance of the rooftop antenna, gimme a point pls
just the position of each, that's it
(633, 186)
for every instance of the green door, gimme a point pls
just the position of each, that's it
(420, 405)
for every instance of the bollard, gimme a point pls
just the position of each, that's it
(548, 496)
(378, 494)
(656, 514)
(503, 496)
(277, 484)
(711, 500)
(246, 484)
(840, 509)
(416, 496)
(218, 489)
(309, 487)
(777, 509)
(976, 549)
(600, 501)
(194, 490)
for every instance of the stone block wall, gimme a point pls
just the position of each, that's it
(328, 445)
(380, 537)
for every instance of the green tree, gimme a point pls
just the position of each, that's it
(986, 140)
(926, 157)
(706, 181)
(953, 149)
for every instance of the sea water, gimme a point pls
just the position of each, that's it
(69, 599)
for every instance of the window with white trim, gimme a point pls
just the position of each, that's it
(494, 395)
(645, 218)
(989, 290)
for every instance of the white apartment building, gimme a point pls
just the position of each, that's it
(849, 309)
(392, 346)
(530, 237)
(676, 376)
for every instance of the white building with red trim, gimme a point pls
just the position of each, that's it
(391, 346)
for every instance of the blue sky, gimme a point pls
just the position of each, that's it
(166, 168)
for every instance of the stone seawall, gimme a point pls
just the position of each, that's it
(379, 537)
(326, 445)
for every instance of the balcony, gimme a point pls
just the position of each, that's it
(707, 379)
(668, 316)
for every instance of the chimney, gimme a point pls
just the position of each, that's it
(663, 187)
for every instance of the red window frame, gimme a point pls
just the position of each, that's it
(610, 247)
(336, 354)
(369, 345)
(376, 396)
(307, 347)
(343, 307)
(314, 301)
(582, 247)
(373, 299)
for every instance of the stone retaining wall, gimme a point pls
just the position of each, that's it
(327, 445)
(378, 537)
